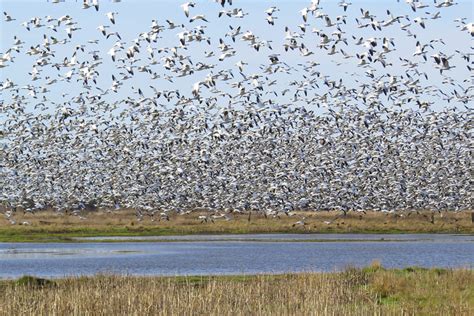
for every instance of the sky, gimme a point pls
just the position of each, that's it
(136, 16)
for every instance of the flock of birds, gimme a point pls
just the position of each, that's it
(280, 136)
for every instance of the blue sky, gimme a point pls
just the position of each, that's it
(135, 17)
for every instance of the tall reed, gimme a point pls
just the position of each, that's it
(371, 290)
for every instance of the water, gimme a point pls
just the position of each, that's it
(244, 254)
(292, 237)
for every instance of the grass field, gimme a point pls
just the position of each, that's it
(372, 290)
(51, 226)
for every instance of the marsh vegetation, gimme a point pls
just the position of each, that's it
(53, 226)
(370, 290)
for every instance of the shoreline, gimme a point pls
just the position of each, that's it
(73, 236)
(375, 266)
(53, 227)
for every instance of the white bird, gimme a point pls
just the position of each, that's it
(182, 37)
(271, 10)
(112, 53)
(304, 14)
(420, 50)
(172, 25)
(328, 22)
(270, 19)
(344, 5)
(111, 16)
(445, 3)
(305, 51)
(95, 3)
(198, 17)
(186, 6)
(196, 89)
(468, 27)
(301, 222)
(102, 28)
(339, 124)
(420, 21)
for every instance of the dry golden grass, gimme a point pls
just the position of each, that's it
(54, 226)
(369, 291)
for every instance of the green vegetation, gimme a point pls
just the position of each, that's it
(32, 281)
(370, 290)
(55, 227)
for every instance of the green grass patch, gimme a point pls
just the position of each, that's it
(32, 281)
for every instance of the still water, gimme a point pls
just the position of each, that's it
(249, 254)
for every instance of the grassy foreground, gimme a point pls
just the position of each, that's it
(371, 290)
(51, 226)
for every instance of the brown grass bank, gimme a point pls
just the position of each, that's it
(368, 291)
(51, 226)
